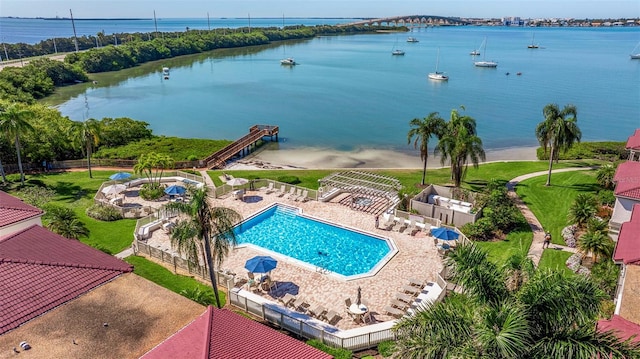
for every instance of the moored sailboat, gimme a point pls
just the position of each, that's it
(485, 63)
(438, 75)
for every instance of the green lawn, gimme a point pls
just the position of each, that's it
(555, 260)
(165, 278)
(76, 190)
(551, 204)
(516, 241)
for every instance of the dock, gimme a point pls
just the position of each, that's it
(242, 146)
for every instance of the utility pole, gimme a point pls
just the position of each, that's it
(75, 36)
(6, 56)
(249, 23)
(55, 48)
(208, 22)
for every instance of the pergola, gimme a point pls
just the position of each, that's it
(361, 184)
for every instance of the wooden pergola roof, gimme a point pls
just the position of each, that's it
(365, 183)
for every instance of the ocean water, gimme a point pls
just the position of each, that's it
(31, 31)
(349, 92)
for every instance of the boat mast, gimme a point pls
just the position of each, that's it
(155, 22)
(208, 22)
(75, 36)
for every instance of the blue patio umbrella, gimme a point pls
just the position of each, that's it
(261, 264)
(174, 190)
(445, 234)
(120, 176)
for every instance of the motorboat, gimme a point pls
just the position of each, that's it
(397, 52)
(412, 39)
(289, 61)
(165, 73)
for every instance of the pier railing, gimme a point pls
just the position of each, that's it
(256, 133)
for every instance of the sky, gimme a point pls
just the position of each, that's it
(579, 9)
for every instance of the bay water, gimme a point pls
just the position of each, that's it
(349, 92)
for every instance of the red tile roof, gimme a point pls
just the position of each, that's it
(40, 270)
(220, 333)
(622, 327)
(627, 180)
(628, 245)
(634, 140)
(13, 210)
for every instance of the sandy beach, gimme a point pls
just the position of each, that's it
(316, 158)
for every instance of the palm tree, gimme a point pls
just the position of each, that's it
(208, 226)
(597, 243)
(63, 221)
(551, 315)
(422, 130)
(583, 208)
(460, 144)
(86, 137)
(605, 175)
(14, 120)
(558, 132)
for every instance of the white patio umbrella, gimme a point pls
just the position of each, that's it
(114, 189)
(237, 182)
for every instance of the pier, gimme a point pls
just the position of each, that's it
(242, 146)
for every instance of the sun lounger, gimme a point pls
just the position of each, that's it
(282, 191)
(267, 189)
(405, 298)
(411, 290)
(317, 311)
(292, 193)
(416, 282)
(287, 299)
(399, 304)
(331, 317)
(388, 224)
(400, 225)
(395, 312)
(304, 197)
(300, 304)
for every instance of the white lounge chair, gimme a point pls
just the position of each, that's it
(304, 197)
(267, 189)
(282, 191)
(292, 193)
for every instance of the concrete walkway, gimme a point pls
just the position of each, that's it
(535, 251)
(207, 179)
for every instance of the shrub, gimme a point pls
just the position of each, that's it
(198, 295)
(482, 230)
(192, 158)
(37, 196)
(151, 191)
(386, 348)
(102, 212)
(608, 151)
(288, 179)
(606, 198)
(338, 353)
(605, 274)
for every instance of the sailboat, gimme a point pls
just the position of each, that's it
(485, 63)
(533, 45)
(289, 61)
(476, 52)
(437, 75)
(395, 50)
(635, 53)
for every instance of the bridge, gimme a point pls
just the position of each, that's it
(412, 20)
(242, 145)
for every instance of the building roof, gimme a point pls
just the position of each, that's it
(621, 327)
(13, 210)
(628, 245)
(220, 333)
(627, 180)
(40, 270)
(634, 141)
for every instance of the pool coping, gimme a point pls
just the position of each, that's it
(393, 249)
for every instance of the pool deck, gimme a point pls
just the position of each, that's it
(417, 258)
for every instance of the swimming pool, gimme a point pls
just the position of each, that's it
(325, 246)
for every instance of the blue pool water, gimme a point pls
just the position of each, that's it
(342, 251)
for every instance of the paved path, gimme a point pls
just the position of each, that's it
(535, 251)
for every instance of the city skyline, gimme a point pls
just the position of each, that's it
(579, 9)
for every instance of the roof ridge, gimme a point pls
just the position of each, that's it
(15, 234)
(34, 209)
(64, 264)
(207, 339)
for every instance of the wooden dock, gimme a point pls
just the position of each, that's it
(242, 145)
